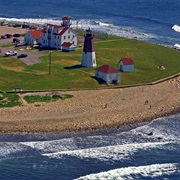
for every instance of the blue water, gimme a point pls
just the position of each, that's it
(147, 20)
(146, 151)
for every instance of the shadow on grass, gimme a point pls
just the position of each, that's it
(100, 81)
(78, 66)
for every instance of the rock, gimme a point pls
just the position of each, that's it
(150, 134)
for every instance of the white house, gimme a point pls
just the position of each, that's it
(33, 37)
(107, 74)
(67, 47)
(126, 65)
(53, 36)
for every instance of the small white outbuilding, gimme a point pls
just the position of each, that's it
(108, 74)
(126, 65)
(67, 47)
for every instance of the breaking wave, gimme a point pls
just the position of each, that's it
(153, 171)
(176, 28)
(109, 153)
(96, 26)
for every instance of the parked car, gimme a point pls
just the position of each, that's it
(10, 53)
(25, 26)
(4, 23)
(16, 40)
(16, 35)
(8, 35)
(17, 25)
(20, 44)
(3, 37)
(22, 56)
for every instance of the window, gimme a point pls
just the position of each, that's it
(68, 37)
(64, 37)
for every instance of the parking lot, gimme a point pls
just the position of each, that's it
(32, 58)
(33, 55)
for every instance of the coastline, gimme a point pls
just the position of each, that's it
(94, 109)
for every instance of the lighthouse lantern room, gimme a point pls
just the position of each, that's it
(88, 57)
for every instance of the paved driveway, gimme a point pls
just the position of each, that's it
(32, 58)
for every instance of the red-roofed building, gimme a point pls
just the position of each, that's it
(53, 36)
(126, 65)
(33, 37)
(108, 74)
(67, 47)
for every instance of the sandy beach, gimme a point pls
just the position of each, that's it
(94, 109)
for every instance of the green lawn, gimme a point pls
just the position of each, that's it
(66, 73)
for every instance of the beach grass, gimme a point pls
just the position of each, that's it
(9, 100)
(67, 73)
(46, 98)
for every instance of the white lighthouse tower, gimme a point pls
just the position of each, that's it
(88, 57)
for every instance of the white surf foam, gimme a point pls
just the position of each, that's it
(96, 26)
(107, 153)
(37, 21)
(176, 28)
(110, 29)
(153, 171)
(52, 146)
(177, 46)
(164, 129)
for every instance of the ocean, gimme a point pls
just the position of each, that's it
(155, 21)
(143, 151)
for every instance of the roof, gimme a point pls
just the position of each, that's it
(107, 69)
(66, 18)
(66, 44)
(36, 33)
(127, 61)
(55, 26)
(63, 31)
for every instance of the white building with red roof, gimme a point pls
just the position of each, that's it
(53, 36)
(126, 65)
(33, 37)
(108, 74)
(67, 47)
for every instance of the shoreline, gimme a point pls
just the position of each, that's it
(91, 110)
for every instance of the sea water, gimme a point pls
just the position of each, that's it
(156, 21)
(146, 151)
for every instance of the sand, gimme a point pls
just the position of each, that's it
(94, 109)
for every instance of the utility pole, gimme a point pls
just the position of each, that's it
(50, 63)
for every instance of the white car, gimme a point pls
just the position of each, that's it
(10, 53)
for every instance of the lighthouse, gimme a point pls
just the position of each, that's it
(88, 57)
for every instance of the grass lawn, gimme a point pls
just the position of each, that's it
(66, 72)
